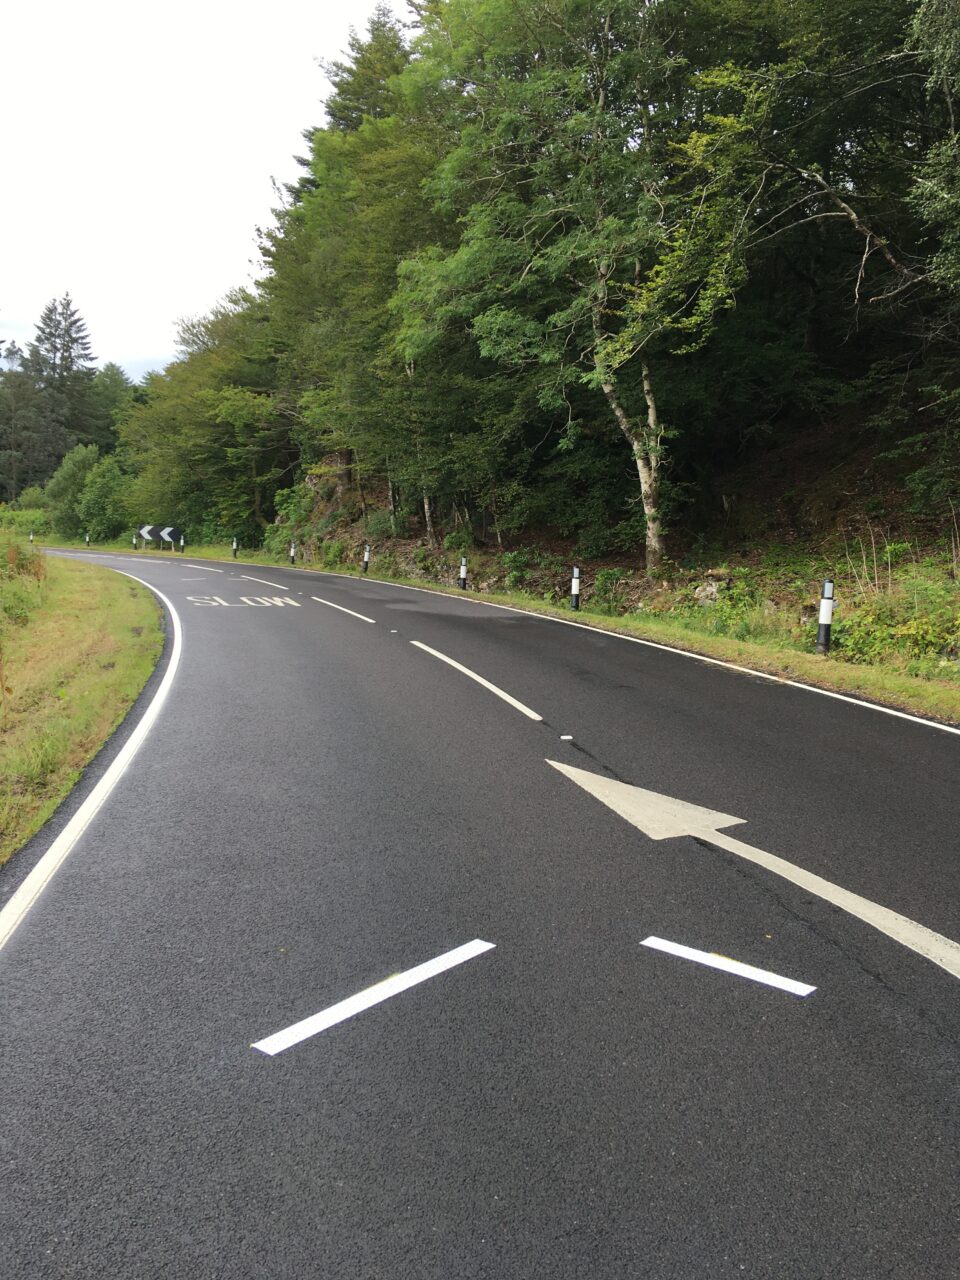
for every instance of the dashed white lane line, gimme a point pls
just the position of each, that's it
(532, 715)
(376, 994)
(207, 567)
(714, 961)
(362, 616)
(279, 585)
(26, 895)
(656, 644)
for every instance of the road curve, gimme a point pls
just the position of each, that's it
(344, 979)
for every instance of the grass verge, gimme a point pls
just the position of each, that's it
(74, 668)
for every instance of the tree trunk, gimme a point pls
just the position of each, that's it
(428, 518)
(645, 445)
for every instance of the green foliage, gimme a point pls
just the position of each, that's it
(610, 587)
(65, 487)
(380, 525)
(459, 540)
(333, 553)
(918, 618)
(21, 572)
(102, 508)
(24, 521)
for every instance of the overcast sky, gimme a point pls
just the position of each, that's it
(139, 145)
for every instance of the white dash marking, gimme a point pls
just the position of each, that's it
(715, 961)
(204, 566)
(566, 737)
(362, 616)
(250, 578)
(532, 715)
(376, 994)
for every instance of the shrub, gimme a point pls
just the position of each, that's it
(333, 553)
(460, 540)
(379, 525)
(609, 590)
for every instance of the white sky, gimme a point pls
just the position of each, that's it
(139, 143)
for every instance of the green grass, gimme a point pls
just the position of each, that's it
(73, 665)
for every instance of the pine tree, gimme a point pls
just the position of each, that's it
(361, 86)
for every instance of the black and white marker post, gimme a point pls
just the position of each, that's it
(462, 580)
(134, 541)
(575, 589)
(31, 537)
(366, 557)
(826, 617)
(234, 548)
(181, 544)
(293, 553)
(86, 538)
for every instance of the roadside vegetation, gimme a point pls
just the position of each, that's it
(77, 644)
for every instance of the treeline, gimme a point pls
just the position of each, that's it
(559, 264)
(53, 399)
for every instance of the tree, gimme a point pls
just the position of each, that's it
(64, 490)
(102, 507)
(363, 86)
(554, 174)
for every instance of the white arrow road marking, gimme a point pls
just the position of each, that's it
(376, 994)
(41, 875)
(532, 715)
(715, 961)
(663, 818)
(362, 616)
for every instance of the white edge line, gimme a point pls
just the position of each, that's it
(362, 616)
(379, 992)
(266, 582)
(14, 911)
(715, 961)
(532, 715)
(655, 644)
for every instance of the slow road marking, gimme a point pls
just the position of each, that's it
(376, 994)
(714, 961)
(532, 715)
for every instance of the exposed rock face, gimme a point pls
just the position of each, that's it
(706, 593)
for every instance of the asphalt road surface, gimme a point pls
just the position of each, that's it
(321, 804)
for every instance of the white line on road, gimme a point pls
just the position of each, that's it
(279, 585)
(656, 644)
(376, 994)
(715, 961)
(204, 566)
(362, 616)
(479, 679)
(26, 895)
